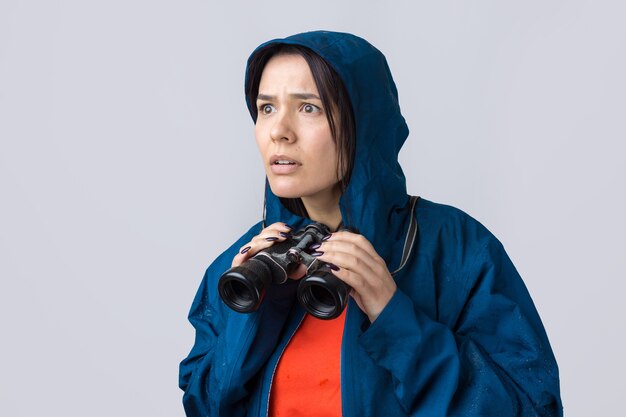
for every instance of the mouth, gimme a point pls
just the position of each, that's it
(282, 160)
(283, 165)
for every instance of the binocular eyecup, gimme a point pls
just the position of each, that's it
(243, 287)
(323, 295)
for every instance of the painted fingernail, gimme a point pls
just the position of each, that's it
(271, 239)
(283, 234)
(333, 267)
(325, 238)
(315, 246)
(246, 249)
(318, 253)
(290, 227)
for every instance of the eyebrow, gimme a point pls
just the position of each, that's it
(301, 96)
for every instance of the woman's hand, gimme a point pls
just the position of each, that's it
(276, 232)
(359, 266)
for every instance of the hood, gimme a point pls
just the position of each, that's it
(375, 201)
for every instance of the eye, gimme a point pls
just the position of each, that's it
(266, 108)
(310, 108)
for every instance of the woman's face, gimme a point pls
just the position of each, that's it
(293, 134)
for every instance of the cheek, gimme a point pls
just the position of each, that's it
(327, 157)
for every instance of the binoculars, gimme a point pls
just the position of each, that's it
(320, 293)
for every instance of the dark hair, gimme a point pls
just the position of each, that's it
(335, 100)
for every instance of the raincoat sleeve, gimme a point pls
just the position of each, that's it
(217, 373)
(487, 353)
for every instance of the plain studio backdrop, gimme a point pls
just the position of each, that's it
(128, 163)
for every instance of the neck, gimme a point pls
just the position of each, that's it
(324, 209)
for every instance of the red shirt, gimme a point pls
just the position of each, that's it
(307, 381)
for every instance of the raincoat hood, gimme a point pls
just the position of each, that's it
(375, 202)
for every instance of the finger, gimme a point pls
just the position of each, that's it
(355, 238)
(355, 280)
(256, 245)
(279, 226)
(348, 262)
(369, 277)
(276, 232)
(242, 256)
(371, 295)
(347, 255)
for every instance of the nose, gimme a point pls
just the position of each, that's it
(282, 129)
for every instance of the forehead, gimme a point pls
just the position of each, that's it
(287, 72)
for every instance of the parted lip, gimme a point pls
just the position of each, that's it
(275, 158)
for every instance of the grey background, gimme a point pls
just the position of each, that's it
(127, 163)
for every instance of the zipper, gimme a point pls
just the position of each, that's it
(269, 392)
(341, 355)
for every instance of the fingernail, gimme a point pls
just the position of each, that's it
(333, 267)
(271, 239)
(325, 238)
(315, 246)
(283, 234)
(318, 253)
(246, 249)
(286, 225)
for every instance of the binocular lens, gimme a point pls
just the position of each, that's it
(323, 296)
(239, 296)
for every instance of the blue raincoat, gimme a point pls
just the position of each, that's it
(460, 337)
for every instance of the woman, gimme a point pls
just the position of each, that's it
(439, 323)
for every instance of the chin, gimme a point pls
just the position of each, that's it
(287, 189)
(296, 189)
(285, 193)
